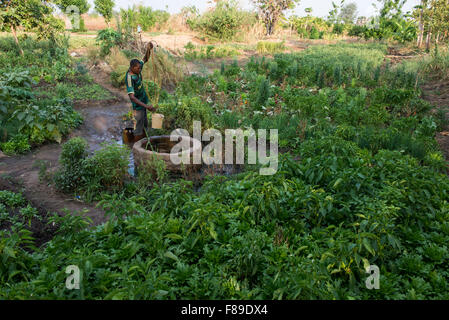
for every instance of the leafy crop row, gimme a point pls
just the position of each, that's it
(361, 182)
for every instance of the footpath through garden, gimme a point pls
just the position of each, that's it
(102, 123)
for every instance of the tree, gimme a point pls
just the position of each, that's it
(334, 14)
(30, 15)
(433, 19)
(348, 13)
(361, 21)
(189, 12)
(82, 6)
(104, 7)
(271, 10)
(420, 10)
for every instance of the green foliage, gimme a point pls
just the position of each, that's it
(264, 92)
(82, 5)
(31, 15)
(17, 145)
(223, 22)
(104, 7)
(338, 29)
(29, 213)
(11, 199)
(46, 123)
(361, 181)
(432, 66)
(118, 76)
(208, 52)
(270, 47)
(310, 27)
(37, 120)
(105, 170)
(348, 13)
(74, 172)
(110, 165)
(146, 17)
(272, 11)
(185, 110)
(107, 39)
(88, 91)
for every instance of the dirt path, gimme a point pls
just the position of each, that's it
(437, 93)
(102, 123)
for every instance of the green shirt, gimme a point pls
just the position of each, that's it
(134, 85)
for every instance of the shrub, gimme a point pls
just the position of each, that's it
(109, 165)
(73, 152)
(222, 23)
(107, 39)
(357, 31)
(105, 170)
(339, 28)
(73, 173)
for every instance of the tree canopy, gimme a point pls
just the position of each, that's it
(270, 11)
(104, 7)
(348, 13)
(30, 15)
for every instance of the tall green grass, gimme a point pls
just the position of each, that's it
(270, 47)
(431, 66)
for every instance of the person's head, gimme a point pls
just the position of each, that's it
(135, 66)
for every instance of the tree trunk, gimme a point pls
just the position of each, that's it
(438, 37)
(429, 36)
(13, 28)
(269, 28)
(421, 26)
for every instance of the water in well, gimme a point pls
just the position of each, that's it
(104, 125)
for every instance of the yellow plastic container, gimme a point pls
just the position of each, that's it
(156, 120)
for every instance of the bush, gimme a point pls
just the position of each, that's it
(222, 23)
(73, 152)
(105, 170)
(310, 27)
(73, 173)
(357, 31)
(107, 39)
(109, 165)
(339, 28)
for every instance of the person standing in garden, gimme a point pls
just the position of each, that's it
(138, 96)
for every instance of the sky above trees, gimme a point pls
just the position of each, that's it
(320, 7)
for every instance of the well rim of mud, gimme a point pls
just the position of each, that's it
(142, 153)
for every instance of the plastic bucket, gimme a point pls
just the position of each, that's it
(156, 120)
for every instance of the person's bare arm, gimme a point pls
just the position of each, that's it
(140, 103)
